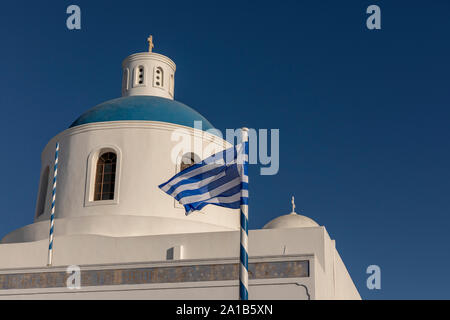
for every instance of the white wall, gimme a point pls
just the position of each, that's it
(345, 288)
(328, 279)
(144, 161)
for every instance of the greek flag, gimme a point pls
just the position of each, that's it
(221, 180)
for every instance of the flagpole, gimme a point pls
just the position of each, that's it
(52, 216)
(243, 266)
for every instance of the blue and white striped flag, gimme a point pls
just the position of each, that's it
(221, 180)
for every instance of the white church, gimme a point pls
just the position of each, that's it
(131, 240)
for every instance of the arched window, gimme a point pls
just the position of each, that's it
(158, 77)
(188, 160)
(43, 192)
(171, 85)
(105, 176)
(126, 80)
(139, 76)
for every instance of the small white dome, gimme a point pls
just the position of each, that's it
(292, 220)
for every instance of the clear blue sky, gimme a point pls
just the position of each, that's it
(363, 115)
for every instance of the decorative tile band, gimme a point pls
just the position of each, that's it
(153, 275)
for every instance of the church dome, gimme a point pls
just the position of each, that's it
(291, 220)
(143, 108)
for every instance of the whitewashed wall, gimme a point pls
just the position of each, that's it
(140, 208)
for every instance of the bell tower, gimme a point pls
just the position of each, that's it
(148, 74)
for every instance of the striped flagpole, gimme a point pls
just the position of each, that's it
(243, 266)
(52, 217)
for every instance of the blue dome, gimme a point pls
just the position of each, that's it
(148, 108)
